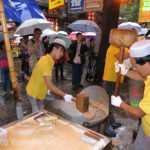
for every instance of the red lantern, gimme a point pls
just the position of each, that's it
(91, 15)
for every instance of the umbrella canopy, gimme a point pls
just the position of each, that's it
(143, 31)
(17, 40)
(72, 37)
(48, 32)
(63, 33)
(130, 25)
(84, 26)
(28, 26)
(87, 35)
(65, 38)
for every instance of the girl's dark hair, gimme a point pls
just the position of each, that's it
(142, 60)
(49, 49)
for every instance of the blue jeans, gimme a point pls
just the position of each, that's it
(110, 89)
(57, 67)
(5, 76)
(77, 70)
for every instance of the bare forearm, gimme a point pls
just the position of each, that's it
(135, 76)
(135, 111)
(126, 55)
(55, 90)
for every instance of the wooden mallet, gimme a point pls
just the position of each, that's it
(122, 38)
(82, 102)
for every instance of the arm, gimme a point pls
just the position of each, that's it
(126, 55)
(135, 111)
(131, 74)
(53, 88)
(135, 76)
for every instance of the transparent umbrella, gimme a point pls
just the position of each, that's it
(28, 26)
(48, 32)
(130, 25)
(84, 26)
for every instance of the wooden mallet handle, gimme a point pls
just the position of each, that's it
(119, 73)
(74, 99)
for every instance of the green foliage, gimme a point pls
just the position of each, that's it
(130, 11)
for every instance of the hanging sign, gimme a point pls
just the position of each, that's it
(90, 5)
(144, 13)
(53, 4)
(76, 6)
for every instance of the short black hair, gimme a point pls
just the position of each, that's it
(142, 60)
(92, 40)
(78, 34)
(49, 49)
(37, 29)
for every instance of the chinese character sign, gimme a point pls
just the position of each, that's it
(144, 14)
(76, 6)
(53, 4)
(93, 5)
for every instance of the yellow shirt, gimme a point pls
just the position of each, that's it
(37, 87)
(145, 106)
(109, 71)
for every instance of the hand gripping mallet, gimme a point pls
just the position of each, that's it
(122, 38)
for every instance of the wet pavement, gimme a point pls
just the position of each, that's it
(124, 137)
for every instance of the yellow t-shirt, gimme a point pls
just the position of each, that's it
(145, 106)
(109, 71)
(37, 87)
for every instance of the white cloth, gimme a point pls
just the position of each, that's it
(140, 48)
(68, 98)
(122, 67)
(77, 59)
(116, 101)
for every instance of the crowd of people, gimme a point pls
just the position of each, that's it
(39, 58)
(32, 50)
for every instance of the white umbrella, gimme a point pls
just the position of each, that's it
(89, 33)
(48, 32)
(84, 26)
(28, 26)
(63, 33)
(130, 25)
(143, 31)
(17, 40)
